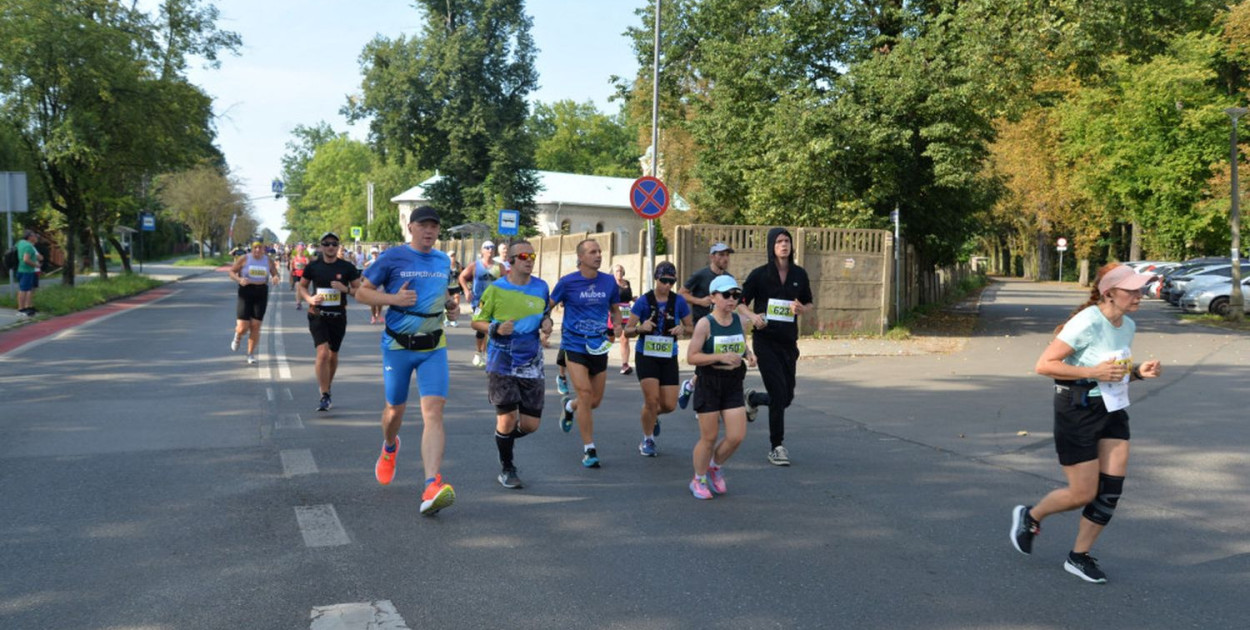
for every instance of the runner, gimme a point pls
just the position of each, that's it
(253, 272)
(778, 292)
(627, 296)
(717, 349)
(298, 263)
(587, 296)
(412, 280)
(697, 293)
(375, 310)
(513, 315)
(453, 287)
(658, 318)
(474, 280)
(1091, 360)
(325, 285)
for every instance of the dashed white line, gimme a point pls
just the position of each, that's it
(289, 421)
(286, 392)
(320, 526)
(379, 615)
(279, 350)
(269, 394)
(297, 462)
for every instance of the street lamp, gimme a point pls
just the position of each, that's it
(1236, 302)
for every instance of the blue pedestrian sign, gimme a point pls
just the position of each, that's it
(147, 222)
(509, 222)
(648, 196)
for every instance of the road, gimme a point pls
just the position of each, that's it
(150, 479)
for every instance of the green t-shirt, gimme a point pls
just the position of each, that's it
(26, 248)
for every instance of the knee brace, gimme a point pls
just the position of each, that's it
(1102, 508)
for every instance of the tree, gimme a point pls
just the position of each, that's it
(452, 99)
(206, 201)
(572, 137)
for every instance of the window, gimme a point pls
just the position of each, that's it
(566, 226)
(599, 226)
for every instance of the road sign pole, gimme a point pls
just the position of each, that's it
(648, 281)
(1061, 264)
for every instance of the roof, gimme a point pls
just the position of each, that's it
(566, 188)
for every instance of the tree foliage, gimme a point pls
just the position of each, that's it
(207, 202)
(571, 137)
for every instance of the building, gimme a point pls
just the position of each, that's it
(568, 203)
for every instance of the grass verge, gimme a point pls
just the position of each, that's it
(1208, 319)
(58, 299)
(196, 261)
(935, 319)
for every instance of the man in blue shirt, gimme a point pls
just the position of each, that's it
(588, 297)
(412, 280)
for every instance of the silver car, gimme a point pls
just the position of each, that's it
(1212, 296)
(1176, 285)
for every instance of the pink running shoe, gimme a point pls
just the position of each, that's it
(698, 487)
(716, 480)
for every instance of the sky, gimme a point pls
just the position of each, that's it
(300, 60)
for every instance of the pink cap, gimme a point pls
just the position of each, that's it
(1123, 277)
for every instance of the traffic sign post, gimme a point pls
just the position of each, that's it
(12, 199)
(357, 232)
(1061, 246)
(509, 222)
(648, 196)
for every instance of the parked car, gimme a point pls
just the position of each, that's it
(1212, 296)
(1174, 286)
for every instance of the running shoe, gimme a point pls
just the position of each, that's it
(562, 384)
(752, 410)
(566, 417)
(1023, 529)
(453, 323)
(646, 447)
(683, 398)
(251, 359)
(478, 361)
(716, 480)
(698, 487)
(384, 470)
(437, 495)
(1084, 566)
(626, 369)
(779, 456)
(325, 403)
(298, 305)
(590, 459)
(508, 478)
(234, 343)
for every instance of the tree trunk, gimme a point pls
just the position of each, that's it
(1083, 265)
(1134, 248)
(121, 251)
(71, 249)
(101, 261)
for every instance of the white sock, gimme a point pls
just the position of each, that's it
(587, 447)
(568, 406)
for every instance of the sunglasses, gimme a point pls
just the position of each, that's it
(525, 256)
(732, 295)
(329, 243)
(489, 247)
(666, 280)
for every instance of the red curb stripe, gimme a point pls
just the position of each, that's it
(15, 339)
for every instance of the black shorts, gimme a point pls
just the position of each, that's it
(328, 329)
(654, 367)
(253, 300)
(512, 393)
(1078, 429)
(595, 363)
(719, 390)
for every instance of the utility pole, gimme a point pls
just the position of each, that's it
(1236, 301)
(648, 281)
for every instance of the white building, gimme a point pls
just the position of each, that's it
(567, 203)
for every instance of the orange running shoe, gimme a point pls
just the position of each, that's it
(384, 470)
(438, 495)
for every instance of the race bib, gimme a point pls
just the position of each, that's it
(737, 344)
(780, 310)
(257, 273)
(330, 297)
(658, 346)
(624, 312)
(1115, 394)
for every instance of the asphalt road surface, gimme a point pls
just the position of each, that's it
(150, 479)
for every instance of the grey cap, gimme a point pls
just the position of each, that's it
(720, 247)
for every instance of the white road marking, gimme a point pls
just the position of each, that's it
(297, 462)
(379, 615)
(279, 349)
(269, 394)
(289, 421)
(286, 391)
(320, 526)
(263, 372)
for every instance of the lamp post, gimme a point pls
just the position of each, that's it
(1236, 302)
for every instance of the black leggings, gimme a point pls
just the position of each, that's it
(777, 362)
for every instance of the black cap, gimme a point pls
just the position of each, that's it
(665, 269)
(424, 213)
(336, 236)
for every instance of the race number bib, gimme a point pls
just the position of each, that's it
(657, 346)
(1115, 394)
(330, 297)
(257, 273)
(624, 308)
(780, 310)
(736, 344)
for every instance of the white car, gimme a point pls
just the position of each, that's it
(1212, 296)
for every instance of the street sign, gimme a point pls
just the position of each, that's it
(648, 196)
(147, 222)
(13, 192)
(1062, 248)
(894, 217)
(357, 232)
(509, 222)
(1062, 242)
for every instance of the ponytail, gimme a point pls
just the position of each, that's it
(1095, 296)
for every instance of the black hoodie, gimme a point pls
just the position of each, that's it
(764, 283)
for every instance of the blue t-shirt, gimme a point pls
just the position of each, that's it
(483, 276)
(425, 273)
(642, 308)
(519, 354)
(587, 303)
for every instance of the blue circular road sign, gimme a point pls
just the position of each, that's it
(648, 196)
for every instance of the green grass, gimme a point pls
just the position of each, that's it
(58, 299)
(1209, 319)
(196, 261)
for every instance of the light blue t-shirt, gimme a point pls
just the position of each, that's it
(642, 308)
(519, 354)
(426, 273)
(587, 303)
(1094, 340)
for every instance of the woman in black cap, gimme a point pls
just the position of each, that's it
(658, 318)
